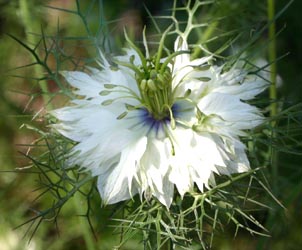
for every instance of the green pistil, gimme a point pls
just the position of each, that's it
(156, 91)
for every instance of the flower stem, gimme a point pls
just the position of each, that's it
(30, 27)
(203, 36)
(273, 113)
(273, 88)
(272, 58)
(85, 229)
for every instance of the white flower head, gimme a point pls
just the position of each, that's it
(147, 125)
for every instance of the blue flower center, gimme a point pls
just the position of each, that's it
(154, 123)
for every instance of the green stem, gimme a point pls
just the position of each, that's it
(273, 113)
(273, 88)
(168, 245)
(272, 57)
(85, 228)
(29, 27)
(204, 36)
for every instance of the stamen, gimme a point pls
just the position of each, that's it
(172, 120)
(104, 92)
(171, 141)
(138, 51)
(107, 102)
(204, 79)
(110, 86)
(122, 115)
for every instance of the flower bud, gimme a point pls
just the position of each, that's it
(151, 85)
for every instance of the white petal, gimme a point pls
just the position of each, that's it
(154, 160)
(245, 91)
(116, 184)
(196, 156)
(129, 52)
(182, 59)
(166, 197)
(86, 86)
(230, 109)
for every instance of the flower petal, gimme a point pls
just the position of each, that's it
(231, 109)
(116, 184)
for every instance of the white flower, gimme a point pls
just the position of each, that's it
(147, 125)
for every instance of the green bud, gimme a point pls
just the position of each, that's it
(110, 86)
(122, 115)
(151, 85)
(187, 93)
(104, 92)
(153, 74)
(204, 79)
(107, 102)
(161, 78)
(130, 107)
(143, 84)
(159, 84)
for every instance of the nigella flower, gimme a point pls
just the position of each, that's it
(149, 124)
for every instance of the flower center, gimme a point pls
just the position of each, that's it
(156, 91)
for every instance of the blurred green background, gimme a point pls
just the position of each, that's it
(20, 100)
